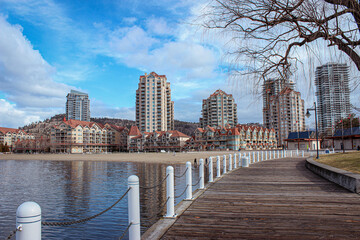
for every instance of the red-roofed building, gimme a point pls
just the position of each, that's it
(75, 136)
(239, 137)
(156, 141)
(9, 136)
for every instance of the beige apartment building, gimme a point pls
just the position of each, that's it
(9, 136)
(154, 108)
(74, 136)
(219, 109)
(283, 109)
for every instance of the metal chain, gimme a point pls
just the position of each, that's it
(182, 192)
(181, 174)
(85, 219)
(126, 230)
(197, 182)
(161, 208)
(161, 182)
(12, 233)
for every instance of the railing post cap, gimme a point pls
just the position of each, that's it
(169, 168)
(201, 160)
(28, 209)
(133, 179)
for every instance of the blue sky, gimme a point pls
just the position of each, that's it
(48, 47)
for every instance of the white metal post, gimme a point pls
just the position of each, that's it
(245, 162)
(262, 155)
(230, 162)
(211, 177)
(278, 154)
(239, 159)
(266, 155)
(249, 159)
(188, 181)
(258, 156)
(291, 153)
(253, 157)
(134, 208)
(302, 153)
(218, 174)
(170, 209)
(297, 152)
(28, 221)
(201, 174)
(235, 161)
(224, 165)
(285, 153)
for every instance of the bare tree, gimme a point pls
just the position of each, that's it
(274, 29)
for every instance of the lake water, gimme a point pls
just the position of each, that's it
(74, 190)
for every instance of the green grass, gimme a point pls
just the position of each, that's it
(347, 161)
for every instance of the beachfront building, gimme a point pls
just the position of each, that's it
(74, 136)
(283, 108)
(333, 95)
(41, 145)
(154, 108)
(219, 109)
(156, 141)
(305, 140)
(9, 136)
(240, 137)
(78, 106)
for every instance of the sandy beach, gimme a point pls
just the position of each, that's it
(176, 158)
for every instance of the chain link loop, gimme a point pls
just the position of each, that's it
(85, 219)
(12, 233)
(126, 230)
(196, 183)
(181, 174)
(182, 192)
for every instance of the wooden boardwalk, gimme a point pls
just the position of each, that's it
(277, 199)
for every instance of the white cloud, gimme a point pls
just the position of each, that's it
(158, 26)
(12, 117)
(25, 77)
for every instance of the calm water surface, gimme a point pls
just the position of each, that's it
(73, 190)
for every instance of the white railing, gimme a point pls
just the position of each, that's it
(28, 215)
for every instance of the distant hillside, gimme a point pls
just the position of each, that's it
(43, 127)
(186, 127)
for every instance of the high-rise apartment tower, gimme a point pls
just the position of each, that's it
(219, 109)
(154, 108)
(333, 95)
(78, 106)
(283, 108)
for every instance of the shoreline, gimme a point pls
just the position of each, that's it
(170, 158)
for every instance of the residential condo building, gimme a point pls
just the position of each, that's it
(9, 136)
(333, 95)
(240, 137)
(78, 106)
(219, 109)
(154, 108)
(283, 109)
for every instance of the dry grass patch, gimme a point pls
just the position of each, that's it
(349, 161)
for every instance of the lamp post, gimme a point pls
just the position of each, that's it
(316, 128)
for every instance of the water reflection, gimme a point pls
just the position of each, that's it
(75, 190)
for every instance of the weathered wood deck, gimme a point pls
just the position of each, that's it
(277, 199)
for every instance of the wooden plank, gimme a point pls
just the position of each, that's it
(277, 199)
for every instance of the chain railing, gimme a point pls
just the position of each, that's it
(12, 233)
(67, 223)
(181, 174)
(134, 202)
